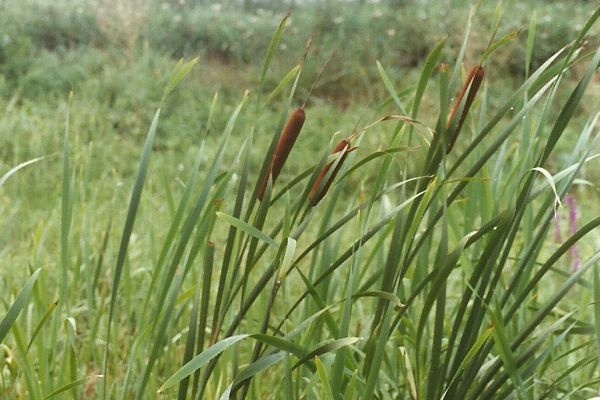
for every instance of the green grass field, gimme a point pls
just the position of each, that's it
(432, 234)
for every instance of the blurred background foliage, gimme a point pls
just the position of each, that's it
(50, 47)
(115, 56)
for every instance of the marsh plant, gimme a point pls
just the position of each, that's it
(427, 268)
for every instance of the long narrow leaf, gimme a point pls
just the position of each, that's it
(15, 309)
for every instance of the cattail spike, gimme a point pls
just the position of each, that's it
(460, 96)
(472, 84)
(284, 147)
(319, 189)
(286, 141)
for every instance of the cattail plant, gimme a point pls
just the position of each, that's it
(472, 84)
(288, 136)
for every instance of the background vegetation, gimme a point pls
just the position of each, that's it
(79, 83)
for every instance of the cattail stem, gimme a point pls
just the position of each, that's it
(282, 150)
(472, 84)
(314, 84)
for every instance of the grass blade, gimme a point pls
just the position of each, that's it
(134, 202)
(248, 229)
(326, 393)
(201, 360)
(15, 309)
(132, 212)
(271, 50)
(66, 387)
(16, 169)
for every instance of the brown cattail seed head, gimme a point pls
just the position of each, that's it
(319, 190)
(341, 146)
(286, 141)
(472, 84)
(284, 147)
(460, 96)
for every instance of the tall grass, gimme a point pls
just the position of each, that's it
(424, 269)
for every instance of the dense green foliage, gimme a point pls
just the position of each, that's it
(452, 252)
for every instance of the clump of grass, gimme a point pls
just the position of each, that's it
(439, 284)
(426, 258)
